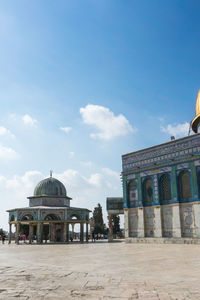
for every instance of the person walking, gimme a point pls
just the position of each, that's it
(3, 238)
(93, 236)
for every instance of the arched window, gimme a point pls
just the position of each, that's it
(51, 217)
(198, 180)
(184, 185)
(56, 191)
(75, 217)
(165, 188)
(12, 218)
(27, 217)
(147, 189)
(132, 193)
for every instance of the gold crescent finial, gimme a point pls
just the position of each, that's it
(197, 107)
(196, 121)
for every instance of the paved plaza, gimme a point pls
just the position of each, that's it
(100, 271)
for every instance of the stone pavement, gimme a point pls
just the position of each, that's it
(100, 271)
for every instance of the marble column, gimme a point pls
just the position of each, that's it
(53, 227)
(196, 212)
(64, 232)
(30, 233)
(67, 232)
(176, 222)
(17, 233)
(50, 232)
(87, 232)
(157, 222)
(110, 235)
(126, 222)
(10, 233)
(140, 230)
(81, 232)
(39, 233)
(73, 230)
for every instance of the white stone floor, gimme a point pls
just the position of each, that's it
(100, 271)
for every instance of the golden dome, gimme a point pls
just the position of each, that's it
(196, 120)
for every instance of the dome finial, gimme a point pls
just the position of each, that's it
(196, 121)
(51, 173)
(197, 107)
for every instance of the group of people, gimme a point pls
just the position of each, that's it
(3, 237)
(97, 236)
(23, 237)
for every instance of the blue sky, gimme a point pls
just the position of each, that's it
(83, 82)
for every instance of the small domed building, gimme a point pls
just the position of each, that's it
(49, 214)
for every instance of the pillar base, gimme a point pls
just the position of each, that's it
(163, 240)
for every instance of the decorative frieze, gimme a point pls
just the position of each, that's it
(182, 148)
(156, 171)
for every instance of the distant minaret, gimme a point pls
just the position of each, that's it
(196, 120)
(51, 173)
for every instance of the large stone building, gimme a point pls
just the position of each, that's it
(49, 214)
(161, 189)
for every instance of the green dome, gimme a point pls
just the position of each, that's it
(50, 187)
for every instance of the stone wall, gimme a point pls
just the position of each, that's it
(166, 221)
(187, 220)
(133, 222)
(149, 221)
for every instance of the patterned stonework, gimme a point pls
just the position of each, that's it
(168, 152)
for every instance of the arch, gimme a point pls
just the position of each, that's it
(165, 188)
(147, 191)
(12, 218)
(132, 193)
(75, 216)
(27, 217)
(184, 186)
(198, 181)
(51, 217)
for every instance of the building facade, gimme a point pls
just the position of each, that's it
(161, 188)
(48, 215)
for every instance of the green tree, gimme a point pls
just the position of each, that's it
(116, 224)
(99, 226)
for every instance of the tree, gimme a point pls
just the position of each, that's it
(99, 226)
(1, 231)
(116, 224)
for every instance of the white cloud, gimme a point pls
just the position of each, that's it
(86, 163)
(28, 120)
(109, 125)
(111, 173)
(15, 191)
(71, 154)
(8, 153)
(66, 129)
(177, 130)
(96, 180)
(6, 132)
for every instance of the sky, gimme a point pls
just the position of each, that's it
(83, 82)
